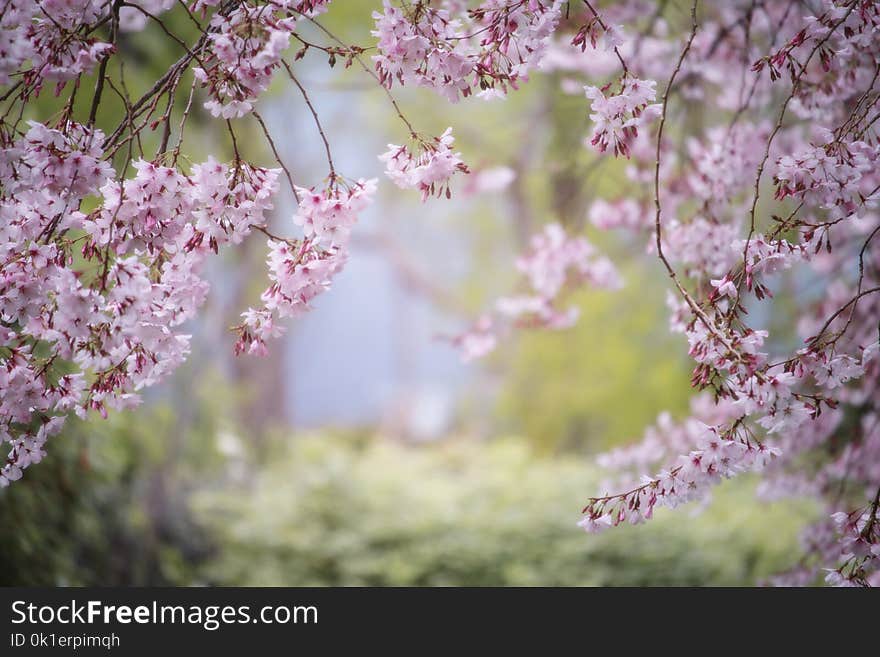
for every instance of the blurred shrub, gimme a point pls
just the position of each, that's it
(150, 501)
(339, 511)
(107, 505)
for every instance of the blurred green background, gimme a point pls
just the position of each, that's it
(120, 503)
(321, 465)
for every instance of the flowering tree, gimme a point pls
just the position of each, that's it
(103, 243)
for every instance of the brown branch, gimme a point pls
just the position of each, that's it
(317, 120)
(277, 155)
(794, 89)
(658, 229)
(102, 69)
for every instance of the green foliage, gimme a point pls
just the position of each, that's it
(335, 511)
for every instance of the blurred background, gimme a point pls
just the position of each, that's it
(362, 451)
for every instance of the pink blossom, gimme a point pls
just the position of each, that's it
(617, 118)
(245, 49)
(300, 270)
(486, 49)
(478, 341)
(430, 171)
(493, 179)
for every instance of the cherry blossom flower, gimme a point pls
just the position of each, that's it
(617, 118)
(430, 171)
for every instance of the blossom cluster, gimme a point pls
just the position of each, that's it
(772, 404)
(859, 546)
(429, 171)
(617, 117)
(835, 176)
(103, 253)
(300, 270)
(50, 37)
(718, 454)
(245, 48)
(554, 264)
(91, 303)
(458, 51)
